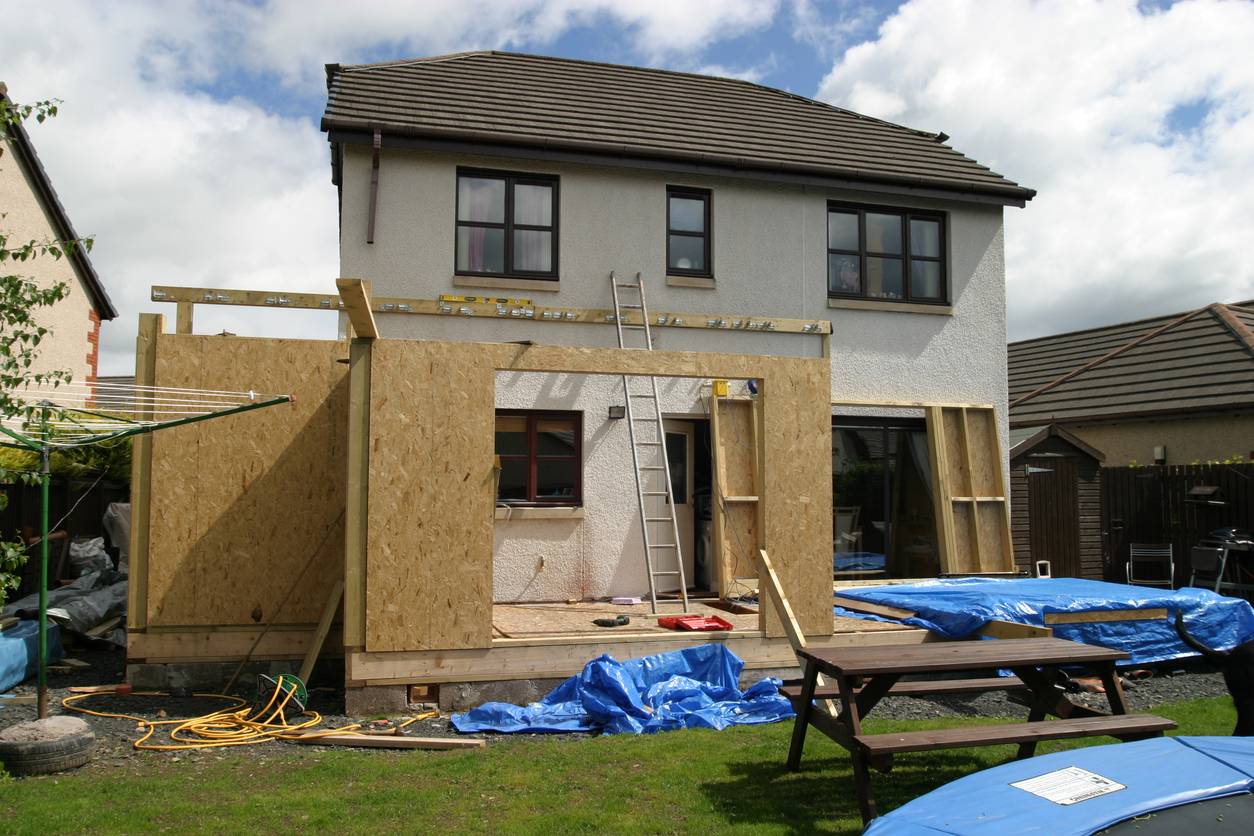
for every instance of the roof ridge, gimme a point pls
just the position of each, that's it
(1112, 325)
(1239, 329)
(935, 135)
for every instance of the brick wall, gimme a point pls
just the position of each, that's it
(93, 340)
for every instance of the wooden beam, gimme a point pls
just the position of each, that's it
(356, 508)
(1098, 616)
(320, 635)
(770, 581)
(492, 308)
(871, 609)
(150, 328)
(999, 629)
(356, 296)
(183, 318)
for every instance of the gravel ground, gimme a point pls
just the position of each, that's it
(115, 736)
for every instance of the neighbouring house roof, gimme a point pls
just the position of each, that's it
(559, 104)
(1025, 439)
(24, 153)
(1202, 360)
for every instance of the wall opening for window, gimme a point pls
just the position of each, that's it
(885, 254)
(883, 518)
(541, 458)
(506, 224)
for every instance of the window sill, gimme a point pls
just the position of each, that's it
(895, 307)
(574, 512)
(507, 283)
(702, 282)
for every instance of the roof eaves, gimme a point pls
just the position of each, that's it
(28, 159)
(1012, 194)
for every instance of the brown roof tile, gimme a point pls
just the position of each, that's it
(564, 104)
(1196, 361)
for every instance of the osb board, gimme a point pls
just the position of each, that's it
(242, 504)
(429, 538)
(740, 546)
(528, 620)
(429, 557)
(735, 453)
(970, 491)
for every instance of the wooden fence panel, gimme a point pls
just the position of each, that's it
(1152, 505)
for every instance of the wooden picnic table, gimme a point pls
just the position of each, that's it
(866, 674)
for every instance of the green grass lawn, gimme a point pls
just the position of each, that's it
(689, 781)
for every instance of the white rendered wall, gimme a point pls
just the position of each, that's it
(770, 257)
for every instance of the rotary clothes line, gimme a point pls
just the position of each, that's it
(62, 416)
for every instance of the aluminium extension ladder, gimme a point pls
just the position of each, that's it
(648, 453)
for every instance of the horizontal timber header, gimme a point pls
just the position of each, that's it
(504, 309)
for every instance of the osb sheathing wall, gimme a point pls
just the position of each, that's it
(241, 504)
(428, 557)
(734, 461)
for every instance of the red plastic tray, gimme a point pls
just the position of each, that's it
(693, 622)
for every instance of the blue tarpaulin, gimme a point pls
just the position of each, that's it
(19, 651)
(1156, 774)
(695, 687)
(958, 607)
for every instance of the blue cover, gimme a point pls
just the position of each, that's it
(19, 651)
(858, 562)
(957, 607)
(1159, 773)
(685, 689)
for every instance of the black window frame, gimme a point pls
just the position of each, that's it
(511, 179)
(707, 198)
(533, 458)
(905, 256)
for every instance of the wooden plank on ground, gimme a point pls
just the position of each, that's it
(389, 741)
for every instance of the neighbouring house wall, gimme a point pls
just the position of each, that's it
(248, 507)
(1188, 438)
(72, 321)
(770, 259)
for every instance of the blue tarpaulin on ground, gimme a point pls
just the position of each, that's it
(1156, 774)
(695, 687)
(19, 651)
(958, 607)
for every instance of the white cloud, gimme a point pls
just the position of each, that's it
(1076, 99)
(183, 188)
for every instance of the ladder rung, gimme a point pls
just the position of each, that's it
(667, 572)
(633, 286)
(657, 519)
(630, 307)
(640, 394)
(654, 420)
(648, 444)
(630, 325)
(651, 467)
(654, 493)
(662, 546)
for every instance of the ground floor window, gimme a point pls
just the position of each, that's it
(541, 457)
(883, 522)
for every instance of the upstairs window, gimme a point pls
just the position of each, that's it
(506, 225)
(885, 254)
(541, 457)
(688, 232)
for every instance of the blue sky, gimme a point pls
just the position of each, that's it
(188, 142)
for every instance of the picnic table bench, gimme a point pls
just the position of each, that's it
(864, 675)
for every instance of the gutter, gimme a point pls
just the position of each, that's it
(362, 132)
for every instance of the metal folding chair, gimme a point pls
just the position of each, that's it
(1143, 556)
(1209, 562)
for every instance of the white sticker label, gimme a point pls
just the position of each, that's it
(1068, 786)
